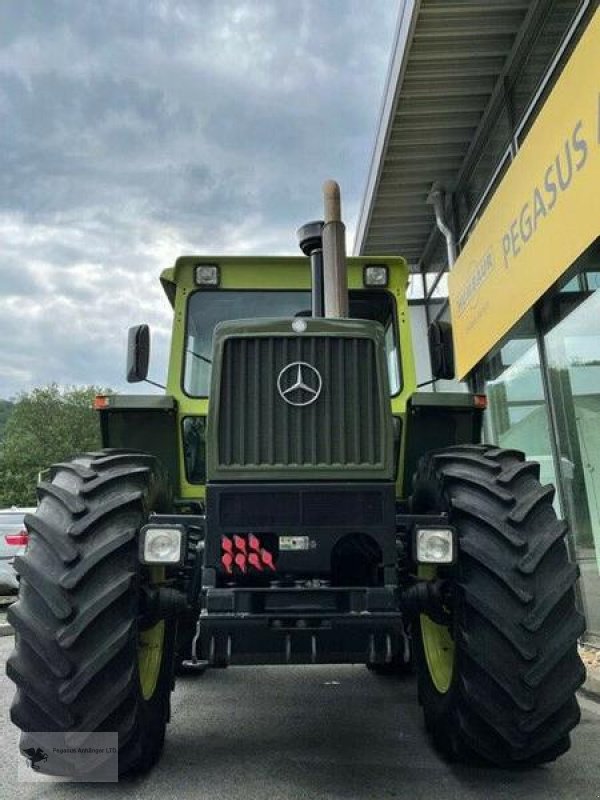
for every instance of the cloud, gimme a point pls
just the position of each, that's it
(134, 132)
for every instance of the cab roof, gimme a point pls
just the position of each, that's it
(273, 272)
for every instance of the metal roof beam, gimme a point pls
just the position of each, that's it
(538, 9)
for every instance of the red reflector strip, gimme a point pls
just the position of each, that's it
(227, 561)
(245, 553)
(267, 559)
(240, 561)
(17, 539)
(254, 561)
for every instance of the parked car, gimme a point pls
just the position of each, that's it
(13, 540)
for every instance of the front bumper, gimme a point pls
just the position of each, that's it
(298, 614)
(301, 626)
(308, 626)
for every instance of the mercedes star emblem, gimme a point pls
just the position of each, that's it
(299, 383)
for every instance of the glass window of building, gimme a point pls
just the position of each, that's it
(572, 346)
(517, 415)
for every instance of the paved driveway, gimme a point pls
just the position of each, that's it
(309, 732)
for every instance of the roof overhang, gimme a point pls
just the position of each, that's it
(448, 60)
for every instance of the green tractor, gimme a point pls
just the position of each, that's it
(292, 499)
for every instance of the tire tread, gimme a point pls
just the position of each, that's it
(75, 657)
(517, 669)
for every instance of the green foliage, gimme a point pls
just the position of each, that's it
(6, 407)
(46, 425)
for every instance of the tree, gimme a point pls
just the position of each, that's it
(6, 407)
(46, 425)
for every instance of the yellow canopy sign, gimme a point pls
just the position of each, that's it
(545, 212)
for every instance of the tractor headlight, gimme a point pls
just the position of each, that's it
(206, 275)
(162, 544)
(376, 276)
(435, 545)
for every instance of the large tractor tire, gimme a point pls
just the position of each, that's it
(83, 660)
(497, 681)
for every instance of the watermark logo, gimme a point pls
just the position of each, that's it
(34, 755)
(69, 756)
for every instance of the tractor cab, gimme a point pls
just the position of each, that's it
(206, 292)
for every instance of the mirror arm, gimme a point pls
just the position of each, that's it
(154, 383)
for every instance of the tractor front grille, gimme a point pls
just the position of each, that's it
(342, 428)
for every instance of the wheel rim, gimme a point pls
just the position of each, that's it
(438, 645)
(150, 648)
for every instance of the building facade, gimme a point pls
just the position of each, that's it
(495, 108)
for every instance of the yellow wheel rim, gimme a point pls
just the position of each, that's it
(437, 644)
(150, 648)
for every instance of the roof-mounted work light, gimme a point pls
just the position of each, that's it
(206, 274)
(376, 275)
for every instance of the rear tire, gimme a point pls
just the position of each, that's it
(77, 661)
(507, 694)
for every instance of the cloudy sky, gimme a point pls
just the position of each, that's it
(133, 132)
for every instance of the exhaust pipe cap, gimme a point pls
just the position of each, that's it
(332, 201)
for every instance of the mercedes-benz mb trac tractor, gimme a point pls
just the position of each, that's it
(293, 499)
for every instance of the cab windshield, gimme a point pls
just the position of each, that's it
(207, 309)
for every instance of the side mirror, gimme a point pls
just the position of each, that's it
(138, 353)
(441, 350)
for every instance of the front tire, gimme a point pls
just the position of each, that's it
(498, 682)
(83, 659)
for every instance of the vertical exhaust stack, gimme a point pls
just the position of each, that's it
(335, 274)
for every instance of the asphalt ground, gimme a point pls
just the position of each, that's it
(274, 733)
